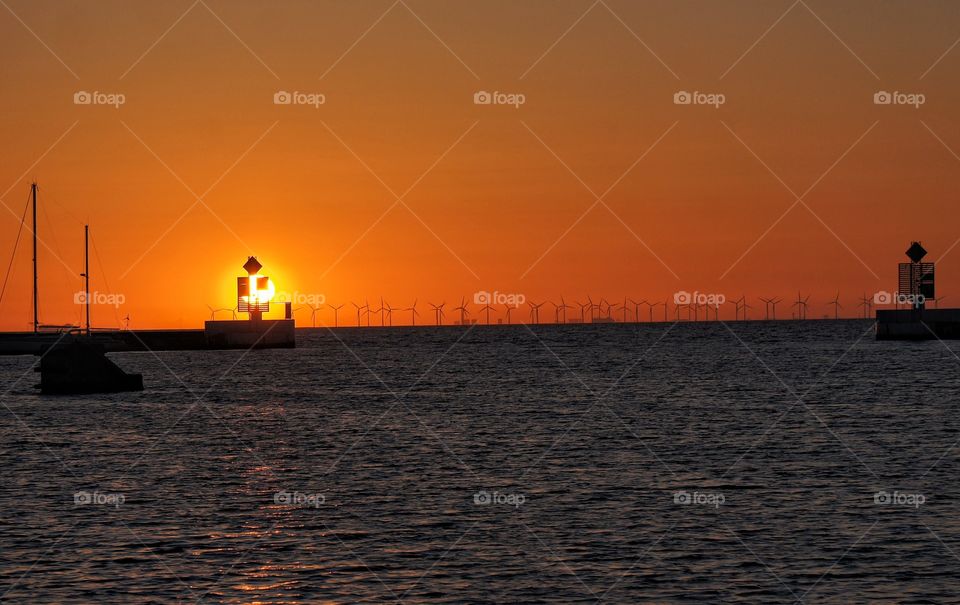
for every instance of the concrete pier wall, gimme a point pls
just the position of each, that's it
(244, 334)
(911, 324)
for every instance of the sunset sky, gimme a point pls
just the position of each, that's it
(400, 186)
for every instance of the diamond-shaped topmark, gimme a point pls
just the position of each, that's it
(252, 266)
(916, 252)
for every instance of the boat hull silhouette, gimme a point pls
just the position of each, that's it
(80, 367)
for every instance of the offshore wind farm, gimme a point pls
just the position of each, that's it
(430, 302)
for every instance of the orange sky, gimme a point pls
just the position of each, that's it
(503, 207)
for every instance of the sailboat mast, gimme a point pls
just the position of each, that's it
(86, 271)
(36, 314)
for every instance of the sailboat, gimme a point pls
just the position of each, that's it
(72, 361)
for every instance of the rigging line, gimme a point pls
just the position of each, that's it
(62, 211)
(116, 309)
(15, 245)
(53, 237)
(56, 247)
(48, 197)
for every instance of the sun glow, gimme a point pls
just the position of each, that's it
(259, 296)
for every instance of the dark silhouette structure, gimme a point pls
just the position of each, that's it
(916, 322)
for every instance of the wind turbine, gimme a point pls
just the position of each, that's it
(625, 309)
(801, 305)
(936, 302)
(438, 310)
(564, 306)
(737, 303)
(535, 311)
(359, 309)
(487, 308)
(313, 314)
(650, 307)
(463, 311)
(556, 312)
(867, 304)
(380, 311)
(636, 308)
(770, 302)
(509, 311)
(413, 312)
(213, 312)
(706, 311)
(389, 313)
(582, 307)
(336, 315)
(836, 306)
